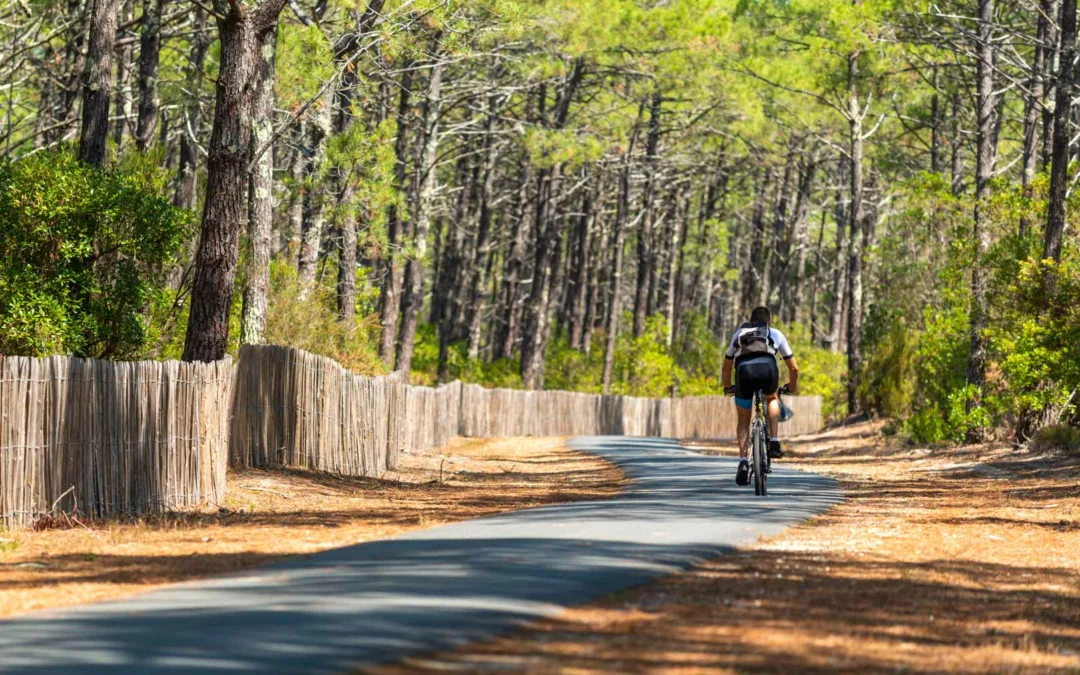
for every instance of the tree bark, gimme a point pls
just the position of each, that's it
(984, 170)
(225, 207)
(97, 83)
(260, 195)
(801, 238)
(415, 272)
(186, 185)
(314, 212)
(1059, 167)
(644, 244)
(122, 106)
(149, 56)
(839, 280)
(855, 239)
(538, 310)
(390, 297)
(615, 305)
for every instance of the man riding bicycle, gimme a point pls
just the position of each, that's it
(751, 356)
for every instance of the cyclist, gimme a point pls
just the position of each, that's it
(752, 357)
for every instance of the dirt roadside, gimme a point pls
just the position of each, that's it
(271, 514)
(961, 561)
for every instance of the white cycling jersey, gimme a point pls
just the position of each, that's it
(778, 343)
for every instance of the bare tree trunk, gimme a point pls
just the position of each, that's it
(480, 264)
(580, 273)
(149, 55)
(97, 83)
(1032, 103)
(512, 269)
(855, 239)
(839, 280)
(644, 243)
(815, 332)
(984, 171)
(314, 212)
(122, 106)
(956, 148)
(390, 297)
(225, 207)
(800, 236)
(1066, 84)
(415, 272)
(260, 195)
(615, 306)
(538, 310)
(186, 185)
(935, 128)
(755, 263)
(1052, 9)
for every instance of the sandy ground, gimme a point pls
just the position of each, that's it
(271, 514)
(961, 561)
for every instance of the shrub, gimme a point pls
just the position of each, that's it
(312, 324)
(85, 253)
(1057, 437)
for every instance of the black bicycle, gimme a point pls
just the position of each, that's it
(760, 464)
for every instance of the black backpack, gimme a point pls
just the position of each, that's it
(755, 339)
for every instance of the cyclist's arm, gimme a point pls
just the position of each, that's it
(793, 373)
(725, 372)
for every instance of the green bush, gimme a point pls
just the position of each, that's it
(1057, 437)
(84, 254)
(821, 372)
(312, 324)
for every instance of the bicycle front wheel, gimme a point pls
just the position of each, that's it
(759, 458)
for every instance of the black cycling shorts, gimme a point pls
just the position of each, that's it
(753, 374)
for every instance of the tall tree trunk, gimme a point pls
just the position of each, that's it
(755, 263)
(815, 331)
(260, 195)
(579, 276)
(97, 83)
(415, 272)
(186, 184)
(1052, 9)
(149, 55)
(956, 148)
(935, 128)
(615, 305)
(802, 240)
(390, 297)
(225, 206)
(538, 311)
(644, 244)
(839, 280)
(855, 238)
(314, 212)
(1066, 84)
(1032, 104)
(984, 171)
(675, 259)
(122, 106)
(514, 263)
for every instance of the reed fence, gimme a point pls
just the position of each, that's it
(509, 412)
(105, 439)
(112, 439)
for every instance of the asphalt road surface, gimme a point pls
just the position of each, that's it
(429, 590)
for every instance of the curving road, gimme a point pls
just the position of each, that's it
(427, 590)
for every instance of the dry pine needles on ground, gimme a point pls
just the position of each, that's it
(964, 561)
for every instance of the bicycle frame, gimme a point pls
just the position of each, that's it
(759, 444)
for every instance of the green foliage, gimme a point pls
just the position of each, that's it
(644, 364)
(821, 372)
(1057, 437)
(312, 323)
(84, 254)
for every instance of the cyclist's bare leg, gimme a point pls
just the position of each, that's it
(743, 431)
(773, 411)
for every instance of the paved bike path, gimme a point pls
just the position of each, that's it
(427, 590)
